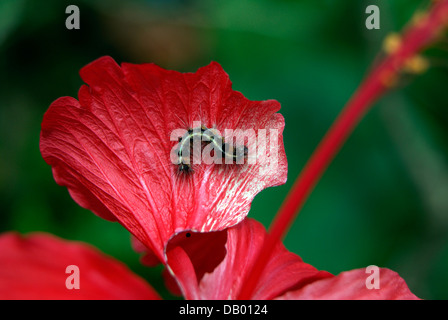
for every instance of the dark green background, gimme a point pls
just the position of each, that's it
(384, 199)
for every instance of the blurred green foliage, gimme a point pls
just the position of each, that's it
(384, 199)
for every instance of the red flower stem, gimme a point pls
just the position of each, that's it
(420, 33)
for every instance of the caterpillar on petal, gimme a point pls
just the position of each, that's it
(206, 136)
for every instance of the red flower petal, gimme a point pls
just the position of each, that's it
(285, 270)
(34, 267)
(351, 285)
(204, 251)
(112, 148)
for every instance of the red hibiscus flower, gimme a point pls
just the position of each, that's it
(113, 148)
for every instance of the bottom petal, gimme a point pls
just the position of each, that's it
(356, 285)
(43, 267)
(233, 255)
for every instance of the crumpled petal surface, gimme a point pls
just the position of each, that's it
(33, 267)
(111, 148)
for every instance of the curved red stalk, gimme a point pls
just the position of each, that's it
(420, 33)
